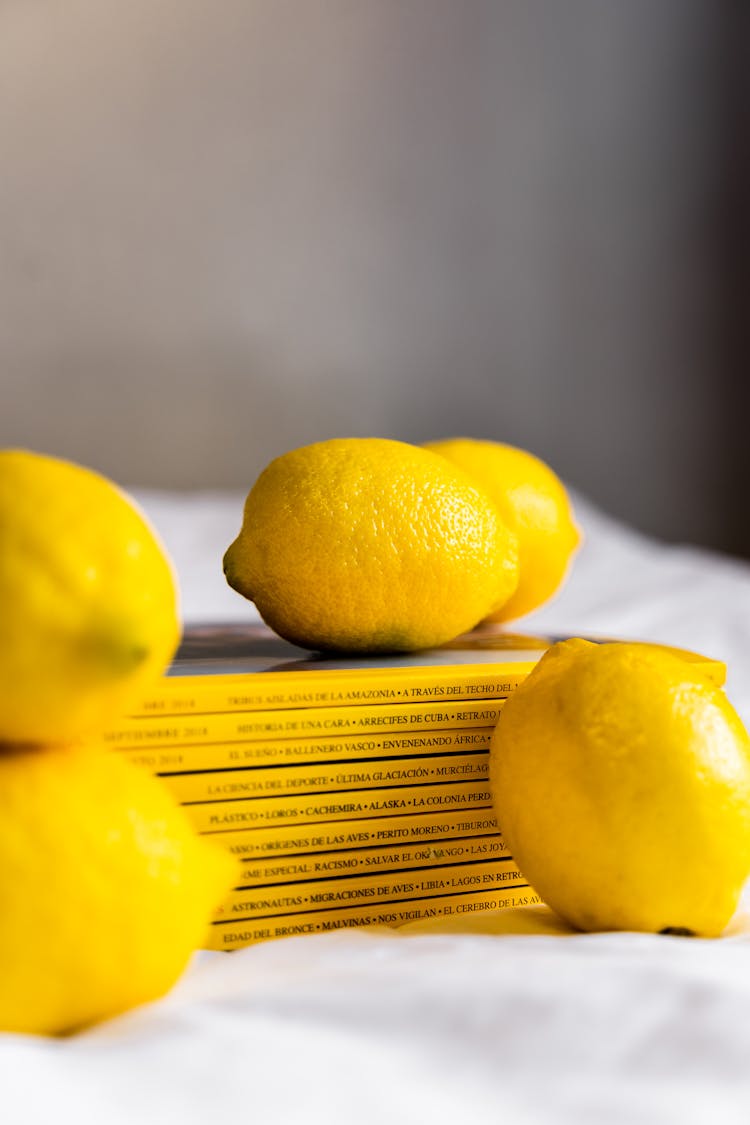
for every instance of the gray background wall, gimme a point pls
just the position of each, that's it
(228, 227)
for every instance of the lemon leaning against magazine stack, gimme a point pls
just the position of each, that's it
(105, 887)
(621, 777)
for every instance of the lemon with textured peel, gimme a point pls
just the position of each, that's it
(367, 544)
(620, 777)
(105, 889)
(88, 600)
(534, 502)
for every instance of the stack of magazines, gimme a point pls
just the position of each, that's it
(354, 790)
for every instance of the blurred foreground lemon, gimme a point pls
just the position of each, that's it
(533, 502)
(366, 544)
(88, 603)
(105, 890)
(621, 781)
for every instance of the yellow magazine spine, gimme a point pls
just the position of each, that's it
(391, 886)
(374, 832)
(358, 861)
(283, 780)
(296, 751)
(216, 816)
(234, 935)
(267, 691)
(302, 723)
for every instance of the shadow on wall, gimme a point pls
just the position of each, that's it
(236, 227)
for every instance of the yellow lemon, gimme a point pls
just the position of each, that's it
(620, 777)
(534, 503)
(88, 602)
(366, 544)
(105, 889)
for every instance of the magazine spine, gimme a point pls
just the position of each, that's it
(359, 861)
(255, 726)
(374, 832)
(391, 886)
(217, 816)
(299, 751)
(281, 781)
(272, 691)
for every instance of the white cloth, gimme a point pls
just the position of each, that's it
(376, 1026)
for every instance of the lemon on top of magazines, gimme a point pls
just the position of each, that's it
(368, 544)
(88, 600)
(620, 776)
(534, 503)
(106, 890)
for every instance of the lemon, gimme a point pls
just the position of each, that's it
(105, 890)
(621, 781)
(88, 601)
(366, 544)
(534, 503)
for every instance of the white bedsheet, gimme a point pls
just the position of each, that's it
(374, 1026)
